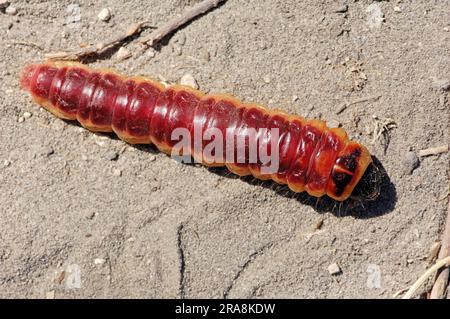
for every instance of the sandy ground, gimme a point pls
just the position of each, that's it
(70, 227)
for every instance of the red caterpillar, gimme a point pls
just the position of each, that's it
(312, 157)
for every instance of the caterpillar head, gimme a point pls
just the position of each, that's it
(352, 164)
(369, 186)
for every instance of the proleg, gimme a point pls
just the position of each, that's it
(312, 157)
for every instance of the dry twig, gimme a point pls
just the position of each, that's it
(177, 22)
(433, 151)
(95, 50)
(442, 280)
(383, 128)
(28, 44)
(362, 100)
(438, 265)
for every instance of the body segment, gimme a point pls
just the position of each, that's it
(312, 157)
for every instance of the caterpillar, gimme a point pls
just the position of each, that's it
(312, 157)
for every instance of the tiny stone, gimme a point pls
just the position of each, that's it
(334, 269)
(151, 53)
(3, 5)
(341, 9)
(446, 29)
(442, 101)
(441, 84)
(27, 115)
(152, 158)
(294, 98)
(117, 172)
(12, 11)
(334, 124)
(49, 151)
(99, 261)
(90, 215)
(104, 15)
(21, 119)
(410, 162)
(112, 155)
(206, 55)
(189, 80)
(375, 16)
(267, 79)
(6, 163)
(50, 294)
(123, 54)
(397, 9)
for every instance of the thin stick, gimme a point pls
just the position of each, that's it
(95, 50)
(438, 265)
(441, 283)
(29, 44)
(433, 151)
(366, 99)
(177, 22)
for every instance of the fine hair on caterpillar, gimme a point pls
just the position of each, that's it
(216, 129)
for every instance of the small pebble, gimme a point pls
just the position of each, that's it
(123, 54)
(294, 98)
(341, 9)
(334, 269)
(206, 56)
(333, 123)
(152, 158)
(375, 17)
(27, 115)
(6, 163)
(112, 155)
(151, 53)
(117, 172)
(3, 5)
(441, 84)
(266, 79)
(189, 80)
(90, 215)
(12, 11)
(410, 162)
(50, 294)
(104, 15)
(99, 261)
(21, 119)
(48, 151)
(446, 29)
(397, 9)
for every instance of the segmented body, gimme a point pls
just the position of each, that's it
(313, 157)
